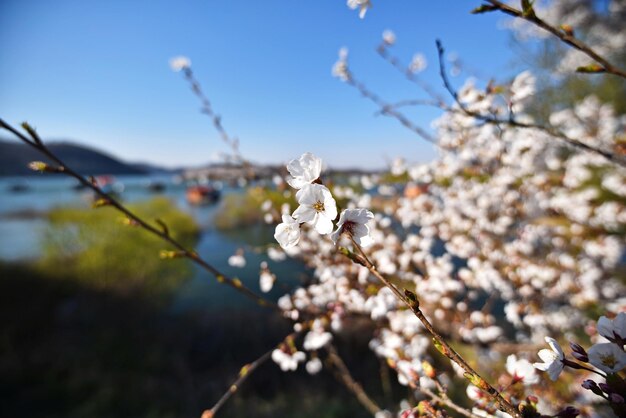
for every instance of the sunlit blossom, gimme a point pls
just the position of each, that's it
(362, 5)
(287, 232)
(521, 370)
(288, 361)
(607, 357)
(552, 359)
(180, 63)
(389, 37)
(612, 329)
(317, 207)
(304, 170)
(237, 259)
(354, 222)
(314, 365)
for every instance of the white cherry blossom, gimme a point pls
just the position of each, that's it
(180, 63)
(607, 357)
(354, 222)
(288, 232)
(266, 278)
(237, 259)
(389, 37)
(552, 359)
(612, 329)
(314, 365)
(287, 361)
(304, 170)
(521, 370)
(317, 208)
(362, 5)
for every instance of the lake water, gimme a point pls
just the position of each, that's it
(22, 227)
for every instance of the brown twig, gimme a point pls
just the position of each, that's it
(550, 130)
(406, 103)
(565, 36)
(244, 372)
(408, 74)
(347, 379)
(216, 120)
(444, 400)
(164, 234)
(387, 109)
(411, 301)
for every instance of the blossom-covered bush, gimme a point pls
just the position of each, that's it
(514, 235)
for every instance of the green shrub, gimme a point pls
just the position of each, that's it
(98, 248)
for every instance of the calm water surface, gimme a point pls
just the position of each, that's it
(22, 226)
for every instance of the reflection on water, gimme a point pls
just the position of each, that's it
(23, 223)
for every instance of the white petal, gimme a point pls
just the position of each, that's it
(323, 224)
(605, 327)
(304, 214)
(555, 346)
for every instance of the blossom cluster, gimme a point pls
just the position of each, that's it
(509, 236)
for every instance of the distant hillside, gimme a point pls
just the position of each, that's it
(14, 158)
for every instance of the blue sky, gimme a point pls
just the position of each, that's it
(97, 72)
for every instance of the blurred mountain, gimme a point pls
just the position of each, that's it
(15, 156)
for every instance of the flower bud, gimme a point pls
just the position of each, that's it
(569, 412)
(616, 398)
(168, 255)
(592, 386)
(577, 348)
(43, 167)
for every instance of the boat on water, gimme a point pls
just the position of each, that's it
(202, 195)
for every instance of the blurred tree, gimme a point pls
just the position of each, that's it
(599, 23)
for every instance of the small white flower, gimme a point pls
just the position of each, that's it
(340, 68)
(607, 357)
(389, 37)
(288, 232)
(288, 361)
(473, 392)
(317, 208)
(314, 366)
(552, 359)
(418, 63)
(275, 254)
(362, 5)
(316, 339)
(521, 370)
(612, 329)
(266, 280)
(354, 222)
(237, 259)
(305, 170)
(180, 63)
(522, 88)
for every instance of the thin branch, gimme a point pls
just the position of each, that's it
(245, 371)
(411, 301)
(385, 108)
(408, 74)
(444, 400)
(235, 283)
(407, 103)
(348, 380)
(514, 123)
(207, 109)
(563, 35)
